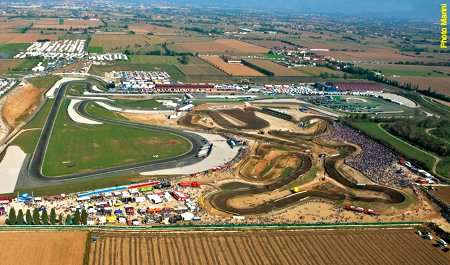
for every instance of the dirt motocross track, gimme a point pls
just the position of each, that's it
(220, 199)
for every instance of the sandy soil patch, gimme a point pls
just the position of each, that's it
(153, 119)
(231, 69)
(20, 103)
(42, 248)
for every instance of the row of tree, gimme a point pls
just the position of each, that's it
(37, 217)
(425, 133)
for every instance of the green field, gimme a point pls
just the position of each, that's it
(27, 140)
(44, 82)
(143, 63)
(408, 70)
(443, 167)
(75, 148)
(95, 49)
(9, 50)
(407, 150)
(25, 66)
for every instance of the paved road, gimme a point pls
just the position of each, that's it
(31, 174)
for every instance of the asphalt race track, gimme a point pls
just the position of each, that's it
(31, 174)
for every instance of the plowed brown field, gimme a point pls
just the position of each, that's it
(220, 46)
(231, 69)
(345, 246)
(42, 248)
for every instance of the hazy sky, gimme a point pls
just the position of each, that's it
(420, 9)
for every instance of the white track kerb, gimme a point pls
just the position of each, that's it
(76, 117)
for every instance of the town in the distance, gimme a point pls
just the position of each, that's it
(224, 132)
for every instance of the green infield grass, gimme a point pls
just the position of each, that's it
(76, 148)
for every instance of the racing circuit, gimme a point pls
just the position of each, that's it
(32, 176)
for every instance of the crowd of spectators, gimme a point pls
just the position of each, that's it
(375, 161)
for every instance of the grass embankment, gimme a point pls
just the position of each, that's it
(409, 151)
(75, 148)
(44, 82)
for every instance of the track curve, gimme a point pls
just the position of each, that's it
(31, 174)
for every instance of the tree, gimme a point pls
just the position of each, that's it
(20, 220)
(36, 217)
(76, 217)
(61, 219)
(84, 216)
(12, 217)
(44, 217)
(28, 217)
(68, 219)
(53, 216)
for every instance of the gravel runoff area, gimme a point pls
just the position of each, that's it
(221, 153)
(134, 111)
(10, 168)
(76, 117)
(51, 93)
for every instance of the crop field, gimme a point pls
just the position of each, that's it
(74, 148)
(143, 63)
(66, 24)
(13, 25)
(7, 65)
(149, 28)
(270, 44)
(408, 70)
(276, 69)
(437, 84)
(25, 37)
(220, 46)
(345, 246)
(7, 51)
(197, 69)
(317, 70)
(231, 69)
(121, 42)
(42, 248)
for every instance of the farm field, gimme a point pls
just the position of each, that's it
(121, 42)
(149, 28)
(317, 70)
(270, 43)
(409, 70)
(345, 246)
(25, 37)
(42, 248)
(276, 69)
(7, 65)
(220, 46)
(65, 24)
(437, 84)
(198, 69)
(231, 69)
(143, 63)
(13, 25)
(87, 148)
(7, 51)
